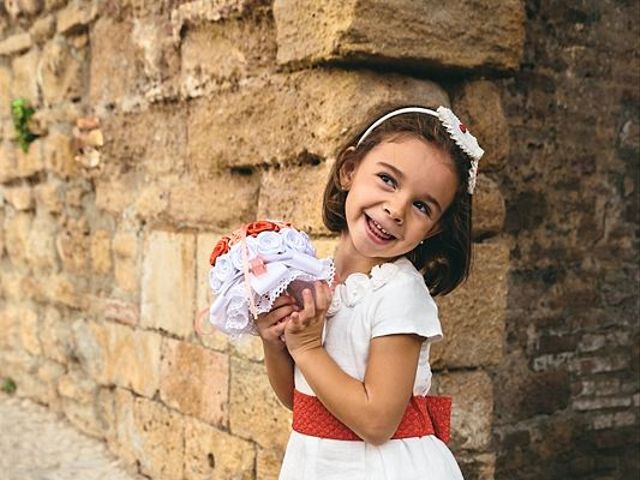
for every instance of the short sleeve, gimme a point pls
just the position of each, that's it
(405, 305)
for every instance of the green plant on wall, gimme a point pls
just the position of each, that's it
(8, 385)
(21, 112)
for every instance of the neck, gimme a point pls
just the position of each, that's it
(348, 260)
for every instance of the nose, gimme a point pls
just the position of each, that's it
(395, 211)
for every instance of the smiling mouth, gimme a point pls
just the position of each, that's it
(375, 230)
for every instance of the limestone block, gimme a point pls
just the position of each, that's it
(16, 285)
(479, 465)
(115, 62)
(150, 433)
(115, 194)
(472, 410)
(249, 347)
(489, 209)
(16, 230)
(121, 311)
(222, 54)
(101, 252)
(210, 337)
(268, 463)
(9, 326)
(25, 76)
(78, 394)
(114, 354)
(56, 336)
(222, 202)
(126, 261)
(29, 327)
(295, 194)
(19, 197)
(15, 44)
(41, 246)
(153, 199)
(212, 453)
(325, 247)
(256, 413)
(479, 104)
(43, 29)
(473, 316)
(14, 163)
(154, 139)
(322, 107)
(5, 92)
(75, 16)
(195, 380)
(439, 35)
(62, 72)
(72, 244)
(59, 155)
(168, 300)
(48, 196)
(62, 289)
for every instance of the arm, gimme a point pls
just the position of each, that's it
(372, 408)
(280, 372)
(278, 362)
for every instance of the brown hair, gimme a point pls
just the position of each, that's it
(445, 258)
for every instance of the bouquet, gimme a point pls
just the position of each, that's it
(254, 265)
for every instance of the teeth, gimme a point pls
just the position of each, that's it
(379, 227)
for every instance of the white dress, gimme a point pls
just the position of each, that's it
(394, 299)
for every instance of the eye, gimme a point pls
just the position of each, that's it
(384, 177)
(425, 208)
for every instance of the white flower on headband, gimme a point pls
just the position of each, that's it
(463, 138)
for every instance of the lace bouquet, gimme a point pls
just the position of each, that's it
(253, 266)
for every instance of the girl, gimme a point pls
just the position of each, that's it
(354, 363)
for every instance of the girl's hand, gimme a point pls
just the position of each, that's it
(303, 330)
(271, 325)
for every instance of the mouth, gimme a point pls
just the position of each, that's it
(376, 232)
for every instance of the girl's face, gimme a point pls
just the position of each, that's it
(402, 186)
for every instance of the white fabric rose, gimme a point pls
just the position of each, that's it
(237, 257)
(214, 281)
(269, 243)
(294, 240)
(224, 269)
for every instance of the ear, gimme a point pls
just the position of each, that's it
(348, 169)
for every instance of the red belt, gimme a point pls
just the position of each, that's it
(428, 415)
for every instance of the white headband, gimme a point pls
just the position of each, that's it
(457, 131)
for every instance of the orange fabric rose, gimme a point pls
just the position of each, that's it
(255, 228)
(221, 248)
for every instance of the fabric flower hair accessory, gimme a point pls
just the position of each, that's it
(253, 266)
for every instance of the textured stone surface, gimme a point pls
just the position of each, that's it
(318, 105)
(194, 380)
(212, 453)
(268, 463)
(472, 317)
(168, 301)
(62, 71)
(255, 412)
(374, 31)
(472, 410)
(488, 208)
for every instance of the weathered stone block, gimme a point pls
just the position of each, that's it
(195, 380)
(200, 203)
(9, 327)
(72, 244)
(41, 246)
(249, 347)
(480, 105)
(16, 230)
(5, 92)
(115, 194)
(59, 156)
(126, 261)
(222, 54)
(318, 105)
(48, 196)
(19, 197)
(76, 16)
(210, 337)
(115, 354)
(14, 163)
(150, 433)
(472, 410)
(29, 327)
(62, 72)
(268, 463)
(25, 76)
(56, 336)
(15, 44)
(43, 29)
(211, 453)
(301, 202)
(374, 31)
(256, 413)
(101, 252)
(489, 209)
(473, 316)
(168, 300)
(325, 247)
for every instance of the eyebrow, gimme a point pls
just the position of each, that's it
(402, 176)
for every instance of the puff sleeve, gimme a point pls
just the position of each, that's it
(405, 305)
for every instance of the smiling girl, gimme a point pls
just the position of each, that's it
(354, 366)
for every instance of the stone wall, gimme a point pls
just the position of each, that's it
(162, 124)
(567, 391)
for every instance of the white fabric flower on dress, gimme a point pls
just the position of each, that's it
(237, 257)
(294, 240)
(224, 269)
(269, 243)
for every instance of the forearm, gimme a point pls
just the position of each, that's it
(347, 398)
(279, 366)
